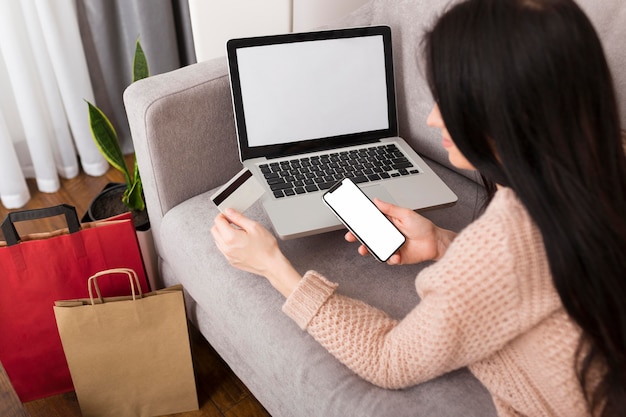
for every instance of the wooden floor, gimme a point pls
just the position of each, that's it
(220, 392)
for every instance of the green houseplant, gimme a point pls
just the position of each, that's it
(107, 141)
(128, 196)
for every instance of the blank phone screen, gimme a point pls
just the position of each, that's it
(364, 220)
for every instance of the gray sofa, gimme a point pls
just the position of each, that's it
(184, 137)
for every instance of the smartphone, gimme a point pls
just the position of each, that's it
(361, 216)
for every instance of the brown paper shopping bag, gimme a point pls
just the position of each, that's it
(128, 356)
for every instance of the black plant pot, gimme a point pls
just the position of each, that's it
(109, 203)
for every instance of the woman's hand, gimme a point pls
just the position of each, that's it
(424, 240)
(250, 247)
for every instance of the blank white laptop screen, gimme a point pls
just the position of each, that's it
(314, 89)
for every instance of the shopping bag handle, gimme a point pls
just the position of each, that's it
(8, 225)
(134, 286)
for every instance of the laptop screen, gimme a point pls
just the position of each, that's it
(309, 91)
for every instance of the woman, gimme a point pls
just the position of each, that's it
(531, 295)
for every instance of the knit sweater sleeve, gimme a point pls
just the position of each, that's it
(471, 306)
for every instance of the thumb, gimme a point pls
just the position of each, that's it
(388, 209)
(237, 218)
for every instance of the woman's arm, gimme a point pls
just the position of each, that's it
(470, 303)
(449, 329)
(364, 338)
(492, 285)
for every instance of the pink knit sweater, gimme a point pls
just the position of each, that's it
(488, 304)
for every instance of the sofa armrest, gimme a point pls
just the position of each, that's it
(184, 134)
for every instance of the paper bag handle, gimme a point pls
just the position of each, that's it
(8, 225)
(134, 286)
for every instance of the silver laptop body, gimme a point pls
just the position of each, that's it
(307, 95)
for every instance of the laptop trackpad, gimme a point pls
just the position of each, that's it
(379, 192)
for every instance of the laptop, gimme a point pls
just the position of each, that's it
(312, 108)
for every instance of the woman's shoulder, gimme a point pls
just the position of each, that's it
(493, 234)
(505, 203)
(505, 218)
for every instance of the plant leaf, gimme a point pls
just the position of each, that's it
(133, 196)
(136, 177)
(140, 63)
(106, 140)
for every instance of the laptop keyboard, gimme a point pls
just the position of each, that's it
(320, 172)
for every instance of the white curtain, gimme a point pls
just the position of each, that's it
(44, 82)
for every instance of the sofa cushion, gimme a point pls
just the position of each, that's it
(286, 369)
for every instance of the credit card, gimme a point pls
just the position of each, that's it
(239, 193)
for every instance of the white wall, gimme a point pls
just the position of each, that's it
(213, 22)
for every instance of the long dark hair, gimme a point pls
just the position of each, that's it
(527, 96)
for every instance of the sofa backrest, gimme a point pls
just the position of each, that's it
(409, 19)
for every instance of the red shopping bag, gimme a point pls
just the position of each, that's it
(40, 269)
